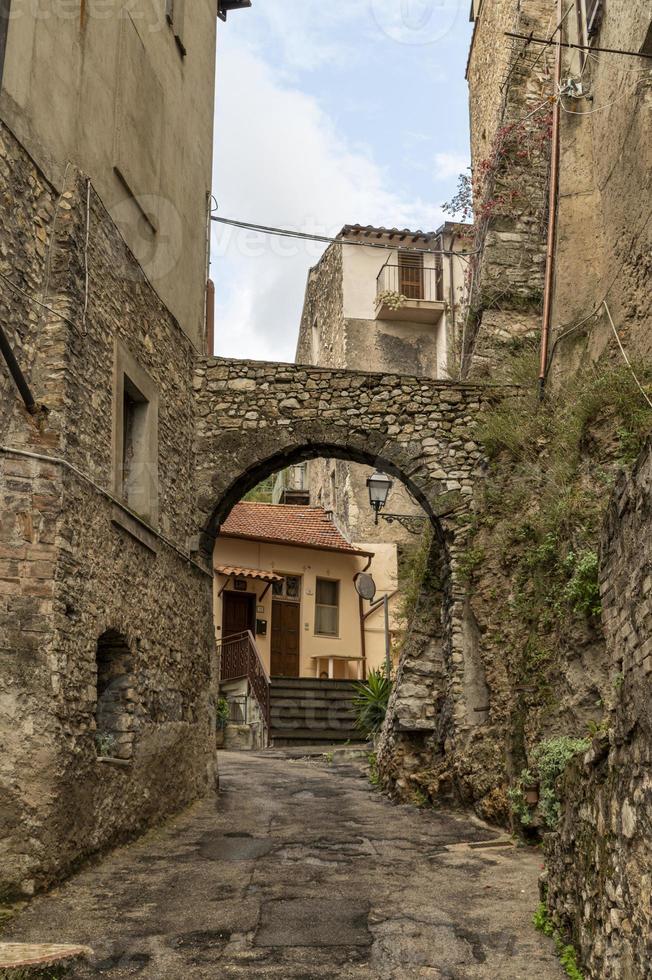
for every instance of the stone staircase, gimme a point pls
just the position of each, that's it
(309, 711)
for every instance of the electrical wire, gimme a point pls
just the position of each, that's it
(625, 357)
(306, 236)
(37, 302)
(608, 105)
(577, 47)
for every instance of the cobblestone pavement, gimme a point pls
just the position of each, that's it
(301, 870)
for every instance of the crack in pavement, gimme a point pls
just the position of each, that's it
(302, 872)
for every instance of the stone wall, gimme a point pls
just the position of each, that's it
(322, 318)
(599, 877)
(74, 562)
(510, 149)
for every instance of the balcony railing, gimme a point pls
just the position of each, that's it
(411, 281)
(239, 658)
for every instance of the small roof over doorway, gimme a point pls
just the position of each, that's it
(231, 571)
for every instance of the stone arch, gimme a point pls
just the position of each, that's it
(115, 707)
(253, 459)
(254, 418)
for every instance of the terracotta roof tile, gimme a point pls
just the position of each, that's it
(286, 524)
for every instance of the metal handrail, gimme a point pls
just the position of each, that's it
(239, 657)
(413, 282)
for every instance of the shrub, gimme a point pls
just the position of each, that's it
(370, 703)
(548, 761)
(222, 712)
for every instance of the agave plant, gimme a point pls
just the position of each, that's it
(371, 700)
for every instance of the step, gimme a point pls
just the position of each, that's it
(312, 682)
(340, 704)
(314, 735)
(325, 711)
(296, 694)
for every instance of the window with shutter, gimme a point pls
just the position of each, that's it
(410, 267)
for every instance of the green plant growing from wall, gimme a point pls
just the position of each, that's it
(548, 761)
(565, 952)
(374, 774)
(105, 744)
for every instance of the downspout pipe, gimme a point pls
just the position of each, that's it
(552, 213)
(17, 374)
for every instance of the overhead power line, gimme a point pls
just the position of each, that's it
(578, 47)
(305, 236)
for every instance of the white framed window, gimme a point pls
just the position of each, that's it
(327, 607)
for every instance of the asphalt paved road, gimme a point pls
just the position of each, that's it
(301, 870)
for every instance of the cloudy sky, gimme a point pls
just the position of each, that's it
(328, 112)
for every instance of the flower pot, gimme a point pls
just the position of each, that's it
(531, 794)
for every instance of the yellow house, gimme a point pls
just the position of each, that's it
(286, 574)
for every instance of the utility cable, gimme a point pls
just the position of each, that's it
(306, 236)
(578, 47)
(625, 357)
(37, 302)
(608, 105)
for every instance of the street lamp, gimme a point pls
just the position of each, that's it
(379, 485)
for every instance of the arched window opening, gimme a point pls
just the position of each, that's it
(116, 700)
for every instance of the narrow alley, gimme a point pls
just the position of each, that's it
(303, 870)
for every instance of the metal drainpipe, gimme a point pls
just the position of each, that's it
(552, 213)
(17, 374)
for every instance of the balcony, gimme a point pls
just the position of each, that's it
(409, 292)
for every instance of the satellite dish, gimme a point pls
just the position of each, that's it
(365, 585)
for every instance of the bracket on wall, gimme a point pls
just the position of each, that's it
(224, 6)
(413, 523)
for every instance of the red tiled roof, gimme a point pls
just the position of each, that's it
(234, 571)
(290, 524)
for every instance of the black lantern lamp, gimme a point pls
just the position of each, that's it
(379, 485)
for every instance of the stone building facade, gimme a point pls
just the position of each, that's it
(510, 86)
(350, 320)
(108, 673)
(604, 235)
(133, 93)
(599, 881)
(106, 639)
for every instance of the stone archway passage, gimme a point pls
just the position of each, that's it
(254, 418)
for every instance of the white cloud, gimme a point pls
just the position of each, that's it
(449, 165)
(281, 161)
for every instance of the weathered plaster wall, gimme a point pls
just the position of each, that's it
(605, 218)
(74, 562)
(599, 881)
(110, 107)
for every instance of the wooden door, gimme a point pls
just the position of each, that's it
(285, 639)
(238, 613)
